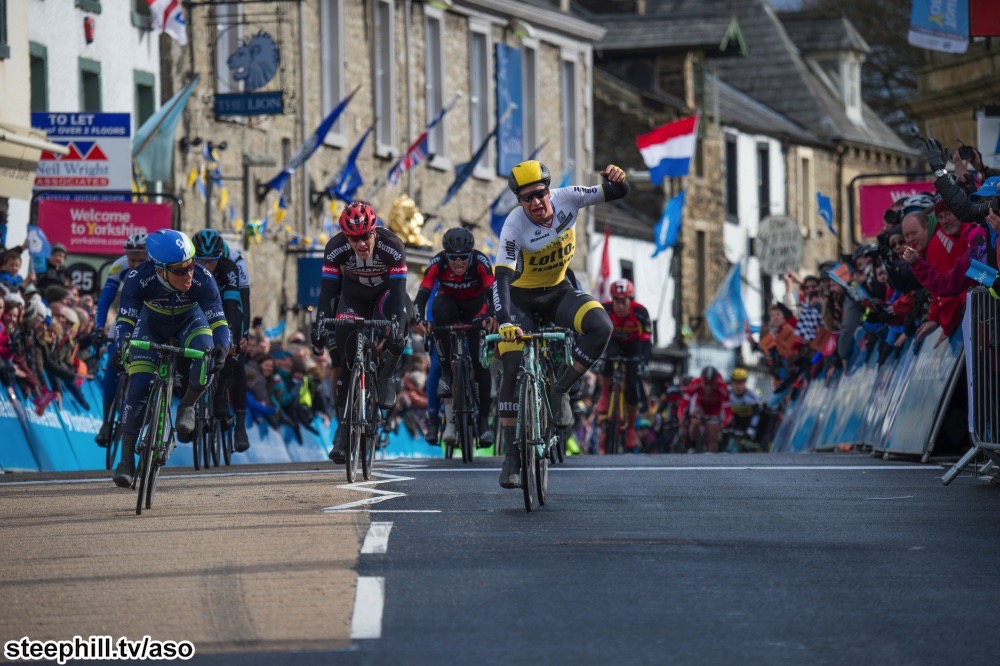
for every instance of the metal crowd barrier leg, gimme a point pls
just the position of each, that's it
(983, 347)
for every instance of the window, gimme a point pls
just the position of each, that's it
(628, 270)
(145, 98)
(701, 249)
(385, 85)
(479, 98)
(852, 89)
(92, 6)
(529, 94)
(570, 132)
(437, 143)
(39, 76)
(141, 16)
(4, 47)
(289, 192)
(332, 54)
(228, 32)
(806, 196)
(90, 85)
(732, 191)
(763, 180)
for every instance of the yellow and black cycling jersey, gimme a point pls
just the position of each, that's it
(539, 255)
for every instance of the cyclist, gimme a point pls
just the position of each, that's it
(169, 296)
(463, 275)
(241, 264)
(632, 338)
(135, 255)
(744, 403)
(364, 275)
(706, 396)
(232, 385)
(536, 245)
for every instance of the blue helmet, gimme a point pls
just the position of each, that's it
(167, 247)
(208, 244)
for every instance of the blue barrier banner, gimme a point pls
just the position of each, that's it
(15, 454)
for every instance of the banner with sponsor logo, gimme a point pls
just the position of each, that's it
(876, 199)
(100, 151)
(99, 227)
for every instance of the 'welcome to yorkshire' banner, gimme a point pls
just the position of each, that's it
(940, 25)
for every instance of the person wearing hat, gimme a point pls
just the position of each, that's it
(54, 273)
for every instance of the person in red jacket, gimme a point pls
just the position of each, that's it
(705, 405)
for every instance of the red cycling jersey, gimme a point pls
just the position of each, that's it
(633, 326)
(710, 401)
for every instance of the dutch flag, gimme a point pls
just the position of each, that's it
(668, 149)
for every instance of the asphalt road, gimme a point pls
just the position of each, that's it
(725, 559)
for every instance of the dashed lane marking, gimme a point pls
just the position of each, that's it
(369, 601)
(377, 539)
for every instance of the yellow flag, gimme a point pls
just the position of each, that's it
(223, 198)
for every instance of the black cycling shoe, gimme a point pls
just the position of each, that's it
(185, 419)
(387, 381)
(485, 434)
(125, 471)
(103, 435)
(240, 440)
(338, 453)
(562, 411)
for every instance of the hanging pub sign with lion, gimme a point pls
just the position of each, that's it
(248, 69)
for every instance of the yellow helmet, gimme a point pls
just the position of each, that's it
(740, 375)
(528, 173)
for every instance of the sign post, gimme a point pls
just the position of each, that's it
(779, 245)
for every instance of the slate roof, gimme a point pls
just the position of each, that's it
(637, 33)
(624, 220)
(739, 110)
(776, 75)
(811, 32)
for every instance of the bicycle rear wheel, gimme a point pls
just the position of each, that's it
(227, 444)
(524, 441)
(216, 441)
(198, 436)
(461, 407)
(368, 437)
(354, 410)
(547, 431)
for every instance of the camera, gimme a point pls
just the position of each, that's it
(995, 204)
(966, 153)
(257, 321)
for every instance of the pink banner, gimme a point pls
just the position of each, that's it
(876, 199)
(99, 227)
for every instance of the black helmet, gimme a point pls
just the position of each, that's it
(208, 244)
(709, 374)
(528, 173)
(458, 240)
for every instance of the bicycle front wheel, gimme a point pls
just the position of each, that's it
(461, 407)
(355, 396)
(368, 437)
(149, 441)
(528, 430)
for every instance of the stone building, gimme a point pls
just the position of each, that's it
(405, 60)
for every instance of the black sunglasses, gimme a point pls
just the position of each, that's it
(531, 196)
(182, 271)
(458, 257)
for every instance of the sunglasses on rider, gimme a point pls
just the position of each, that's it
(458, 257)
(184, 270)
(531, 196)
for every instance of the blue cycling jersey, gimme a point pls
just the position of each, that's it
(142, 290)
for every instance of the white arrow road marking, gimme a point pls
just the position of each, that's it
(369, 600)
(377, 539)
(367, 487)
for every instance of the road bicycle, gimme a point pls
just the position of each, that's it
(535, 434)
(698, 446)
(361, 413)
(616, 420)
(465, 404)
(212, 439)
(552, 357)
(115, 418)
(156, 435)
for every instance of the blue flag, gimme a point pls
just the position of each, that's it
(668, 229)
(726, 316)
(567, 177)
(825, 211)
(464, 170)
(307, 149)
(153, 145)
(347, 181)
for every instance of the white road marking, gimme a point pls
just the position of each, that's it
(377, 539)
(369, 601)
(366, 487)
(890, 498)
(390, 510)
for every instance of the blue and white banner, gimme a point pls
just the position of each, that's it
(726, 316)
(940, 25)
(510, 136)
(668, 229)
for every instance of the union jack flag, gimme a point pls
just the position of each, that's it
(417, 152)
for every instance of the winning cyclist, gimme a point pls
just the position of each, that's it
(168, 296)
(632, 338)
(135, 255)
(463, 275)
(209, 249)
(536, 245)
(706, 396)
(364, 275)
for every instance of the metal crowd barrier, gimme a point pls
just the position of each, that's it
(983, 364)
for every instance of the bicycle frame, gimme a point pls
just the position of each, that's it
(465, 405)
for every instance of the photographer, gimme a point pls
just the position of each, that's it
(968, 208)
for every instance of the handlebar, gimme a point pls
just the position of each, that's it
(147, 345)
(354, 323)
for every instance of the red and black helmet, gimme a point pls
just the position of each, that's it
(357, 219)
(622, 289)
